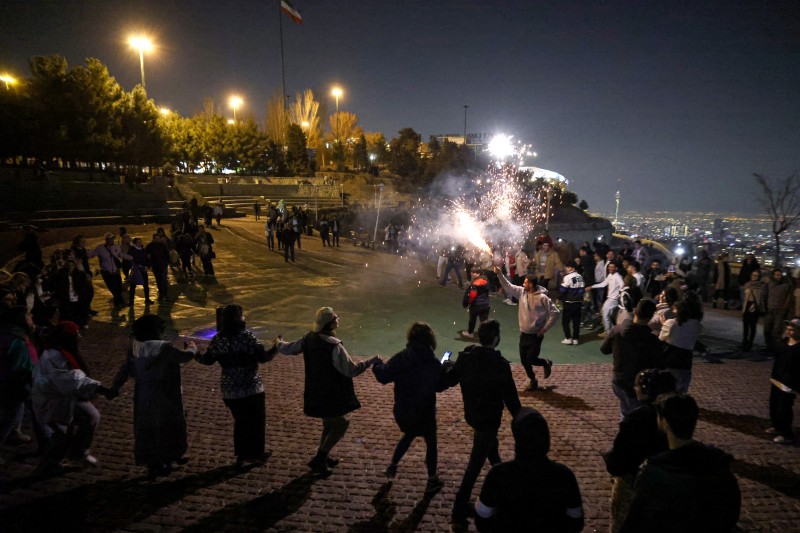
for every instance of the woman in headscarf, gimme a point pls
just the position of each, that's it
(159, 422)
(62, 394)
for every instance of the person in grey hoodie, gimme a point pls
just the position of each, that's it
(536, 313)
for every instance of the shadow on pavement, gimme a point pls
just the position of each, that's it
(259, 513)
(774, 476)
(84, 508)
(384, 512)
(561, 401)
(747, 424)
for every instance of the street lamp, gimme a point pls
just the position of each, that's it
(143, 44)
(164, 111)
(235, 102)
(336, 92)
(378, 214)
(8, 79)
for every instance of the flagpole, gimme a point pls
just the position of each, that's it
(283, 68)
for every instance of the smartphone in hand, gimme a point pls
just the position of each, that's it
(446, 357)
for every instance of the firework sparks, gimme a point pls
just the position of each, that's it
(498, 206)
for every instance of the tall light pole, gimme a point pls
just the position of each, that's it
(465, 125)
(235, 102)
(378, 214)
(336, 91)
(143, 44)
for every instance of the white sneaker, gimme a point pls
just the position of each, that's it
(507, 301)
(575, 341)
(566, 341)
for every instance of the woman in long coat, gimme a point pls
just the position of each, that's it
(159, 423)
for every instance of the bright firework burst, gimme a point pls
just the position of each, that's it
(500, 206)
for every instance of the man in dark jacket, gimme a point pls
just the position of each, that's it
(785, 384)
(486, 386)
(288, 237)
(476, 300)
(329, 392)
(417, 376)
(634, 349)
(689, 488)
(530, 493)
(158, 254)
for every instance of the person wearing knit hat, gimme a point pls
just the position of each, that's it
(531, 492)
(62, 394)
(329, 392)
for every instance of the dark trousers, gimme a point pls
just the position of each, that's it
(427, 431)
(208, 266)
(297, 235)
(145, 284)
(530, 346)
(484, 446)
(271, 240)
(780, 411)
(162, 281)
(287, 250)
(571, 314)
(475, 314)
(336, 238)
(749, 325)
(452, 266)
(249, 426)
(113, 281)
(77, 312)
(74, 440)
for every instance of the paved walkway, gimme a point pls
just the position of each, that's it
(370, 293)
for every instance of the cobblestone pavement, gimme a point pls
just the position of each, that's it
(210, 494)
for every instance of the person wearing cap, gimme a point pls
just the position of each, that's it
(110, 257)
(638, 438)
(785, 381)
(688, 488)
(329, 393)
(238, 352)
(536, 314)
(159, 421)
(61, 396)
(572, 289)
(530, 492)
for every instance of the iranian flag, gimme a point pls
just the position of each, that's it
(295, 15)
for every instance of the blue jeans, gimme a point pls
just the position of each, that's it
(683, 377)
(484, 446)
(626, 403)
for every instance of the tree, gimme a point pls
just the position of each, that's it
(781, 200)
(305, 110)
(376, 144)
(584, 205)
(277, 119)
(143, 144)
(404, 155)
(360, 157)
(296, 154)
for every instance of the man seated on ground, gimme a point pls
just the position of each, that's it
(531, 492)
(690, 487)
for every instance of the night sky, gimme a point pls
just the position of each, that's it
(682, 101)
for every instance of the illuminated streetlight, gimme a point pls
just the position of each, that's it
(143, 44)
(8, 79)
(164, 111)
(235, 102)
(336, 92)
(231, 121)
(304, 124)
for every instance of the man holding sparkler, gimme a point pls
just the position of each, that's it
(537, 313)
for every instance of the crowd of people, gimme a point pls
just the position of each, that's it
(664, 480)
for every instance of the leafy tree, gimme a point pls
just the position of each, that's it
(140, 130)
(781, 200)
(568, 198)
(584, 205)
(51, 107)
(296, 154)
(376, 144)
(360, 156)
(404, 155)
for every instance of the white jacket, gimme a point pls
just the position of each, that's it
(56, 388)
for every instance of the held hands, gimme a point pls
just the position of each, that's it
(110, 394)
(374, 361)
